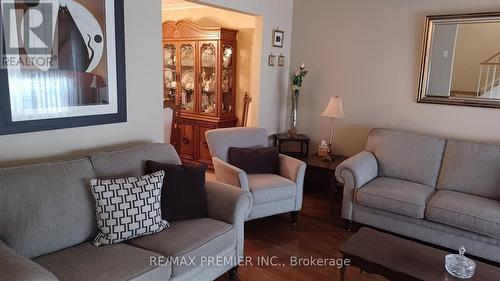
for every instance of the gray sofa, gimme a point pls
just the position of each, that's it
(445, 192)
(48, 218)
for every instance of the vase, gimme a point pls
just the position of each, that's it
(293, 113)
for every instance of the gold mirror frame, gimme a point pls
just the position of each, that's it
(425, 59)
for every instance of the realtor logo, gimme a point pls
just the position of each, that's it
(28, 28)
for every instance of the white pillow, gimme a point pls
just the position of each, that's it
(127, 208)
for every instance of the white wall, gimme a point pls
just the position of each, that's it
(368, 52)
(270, 104)
(144, 99)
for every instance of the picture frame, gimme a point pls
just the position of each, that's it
(270, 60)
(281, 60)
(278, 38)
(91, 77)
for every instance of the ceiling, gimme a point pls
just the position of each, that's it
(178, 4)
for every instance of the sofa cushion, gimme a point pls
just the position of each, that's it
(407, 156)
(192, 239)
(128, 207)
(267, 188)
(465, 211)
(114, 263)
(13, 266)
(471, 168)
(255, 160)
(131, 162)
(183, 194)
(46, 207)
(397, 196)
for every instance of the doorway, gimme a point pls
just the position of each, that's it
(247, 54)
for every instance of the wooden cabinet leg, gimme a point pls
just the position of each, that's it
(342, 272)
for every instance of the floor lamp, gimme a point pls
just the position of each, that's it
(333, 110)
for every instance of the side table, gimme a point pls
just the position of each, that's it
(279, 139)
(321, 174)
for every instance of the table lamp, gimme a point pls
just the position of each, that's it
(333, 110)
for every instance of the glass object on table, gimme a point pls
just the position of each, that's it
(227, 78)
(208, 78)
(170, 72)
(187, 77)
(460, 266)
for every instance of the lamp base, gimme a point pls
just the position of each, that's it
(328, 158)
(329, 154)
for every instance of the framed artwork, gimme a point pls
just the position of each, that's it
(270, 60)
(281, 60)
(278, 37)
(63, 64)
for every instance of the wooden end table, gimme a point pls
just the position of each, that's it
(400, 259)
(279, 139)
(320, 173)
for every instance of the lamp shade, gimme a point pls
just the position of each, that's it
(334, 108)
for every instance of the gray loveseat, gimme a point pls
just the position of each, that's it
(445, 192)
(48, 218)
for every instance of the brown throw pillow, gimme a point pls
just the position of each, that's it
(183, 193)
(255, 160)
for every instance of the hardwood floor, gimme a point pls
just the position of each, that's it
(318, 234)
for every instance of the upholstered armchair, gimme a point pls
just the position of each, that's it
(272, 194)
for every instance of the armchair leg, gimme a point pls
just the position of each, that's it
(348, 225)
(295, 217)
(233, 272)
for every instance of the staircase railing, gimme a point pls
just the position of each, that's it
(488, 80)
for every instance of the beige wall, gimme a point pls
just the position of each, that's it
(368, 52)
(247, 78)
(475, 44)
(269, 106)
(144, 95)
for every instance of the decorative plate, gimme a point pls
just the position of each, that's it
(169, 75)
(187, 80)
(168, 55)
(208, 55)
(187, 55)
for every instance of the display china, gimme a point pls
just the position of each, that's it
(63, 64)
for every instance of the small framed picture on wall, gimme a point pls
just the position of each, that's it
(278, 37)
(270, 60)
(281, 60)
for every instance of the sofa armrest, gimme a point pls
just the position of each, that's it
(362, 167)
(294, 170)
(14, 267)
(354, 173)
(229, 174)
(229, 204)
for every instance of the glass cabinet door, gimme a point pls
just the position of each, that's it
(187, 76)
(170, 72)
(208, 78)
(227, 83)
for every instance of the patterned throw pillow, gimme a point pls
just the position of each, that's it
(127, 208)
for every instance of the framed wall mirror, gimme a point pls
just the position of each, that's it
(461, 60)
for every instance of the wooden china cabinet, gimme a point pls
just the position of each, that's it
(200, 77)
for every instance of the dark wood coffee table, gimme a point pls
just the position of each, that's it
(400, 259)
